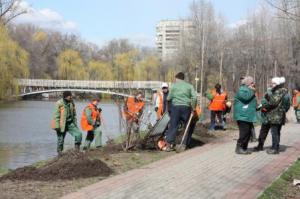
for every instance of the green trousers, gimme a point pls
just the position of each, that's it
(73, 130)
(97, 134)
(98, 137)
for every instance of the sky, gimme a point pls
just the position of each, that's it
(100, 21)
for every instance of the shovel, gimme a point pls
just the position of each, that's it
(181, 147)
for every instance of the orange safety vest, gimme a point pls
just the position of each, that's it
(133, 107)
(296, 104)
(218, 101)
(61, 118)
(159, 112)
(85, 126)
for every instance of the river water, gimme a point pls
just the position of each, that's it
(26, 137)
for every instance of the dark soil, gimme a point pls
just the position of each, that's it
(70, 165)
(112, 147)
(72, 171)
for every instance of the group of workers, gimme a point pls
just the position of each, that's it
(64, 120)
(180, 103)
(274, 105)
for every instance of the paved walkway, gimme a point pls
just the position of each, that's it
(211, 171)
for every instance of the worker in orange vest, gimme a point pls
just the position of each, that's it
(90, 122)
(217, 106)
(133, 110)
(296, 104)
(161, 101)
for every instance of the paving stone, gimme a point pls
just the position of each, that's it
(211, 171)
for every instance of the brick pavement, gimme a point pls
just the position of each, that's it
(211, 171)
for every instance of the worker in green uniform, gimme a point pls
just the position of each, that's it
(64, 120)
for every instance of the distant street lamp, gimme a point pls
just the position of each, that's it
(196, 79)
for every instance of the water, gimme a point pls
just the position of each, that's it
(26, 136)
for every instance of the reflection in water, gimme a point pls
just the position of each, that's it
(26, 137)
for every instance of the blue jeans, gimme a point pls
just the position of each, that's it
(213, 115)
(178, 113)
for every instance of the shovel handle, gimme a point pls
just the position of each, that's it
(186, 128)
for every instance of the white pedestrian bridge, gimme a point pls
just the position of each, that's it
(39, 86)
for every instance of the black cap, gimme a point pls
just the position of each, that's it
(96, 99)
(180, 75)
(67, 94)
(218, 86)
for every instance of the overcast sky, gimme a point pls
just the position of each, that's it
(99, 21)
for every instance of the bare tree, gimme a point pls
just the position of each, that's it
(290, 8)
(10, 9)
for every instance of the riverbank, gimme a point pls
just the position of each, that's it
(114, 161)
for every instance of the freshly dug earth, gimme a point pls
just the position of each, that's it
(112, 147)
(72, 171)
(71, 165)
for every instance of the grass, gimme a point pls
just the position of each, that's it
(4, 171)
(121, 138)
(283, 186)
(41, 163)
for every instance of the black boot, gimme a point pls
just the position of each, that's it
(87, 145)
(77, 147)
(241, 151)
(272, 151)
(259, 147)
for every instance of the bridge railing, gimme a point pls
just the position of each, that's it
(89, 84)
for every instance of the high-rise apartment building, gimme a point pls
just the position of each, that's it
(169, 36)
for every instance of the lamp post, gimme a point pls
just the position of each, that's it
(196, 79)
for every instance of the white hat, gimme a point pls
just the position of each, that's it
(282, 80)
(164, 85)
(276, 80)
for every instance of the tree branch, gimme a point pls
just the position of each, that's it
(285, 11)
(14, 16)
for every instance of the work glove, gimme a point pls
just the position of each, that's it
(156, 109)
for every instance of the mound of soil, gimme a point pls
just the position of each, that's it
(112, 148)
(69, 166)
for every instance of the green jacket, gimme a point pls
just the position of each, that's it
(264, 102)
(245, 105)
(182, 93)
(63, 112)
(277, 103)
